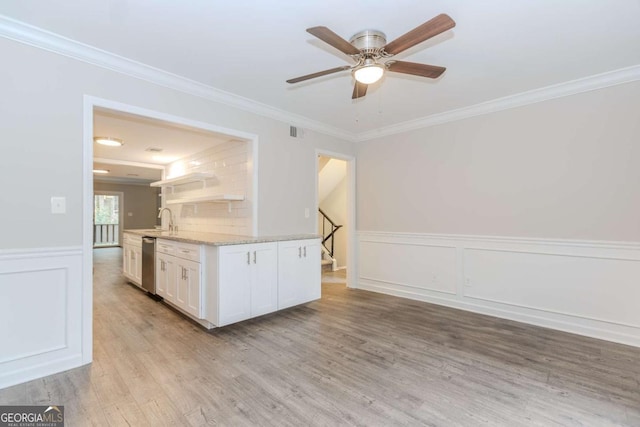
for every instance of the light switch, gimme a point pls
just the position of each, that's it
(129, 213)
(58, 205)
(306, 212)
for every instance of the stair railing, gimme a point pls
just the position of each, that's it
(329, 229)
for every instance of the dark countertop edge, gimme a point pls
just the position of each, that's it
(216, 239)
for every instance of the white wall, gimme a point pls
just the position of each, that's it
(512, 213)
(564, 168)
(41, 116)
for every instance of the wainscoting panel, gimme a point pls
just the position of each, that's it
(584, 287)
(40, 313)
(410, 266)
(605, 289)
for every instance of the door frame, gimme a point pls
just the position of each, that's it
(120, 195)
(90, 103)
(352, 252)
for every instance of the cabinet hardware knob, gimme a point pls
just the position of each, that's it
(305, 251)
(248, 258)
(254, 257)
(299, 251)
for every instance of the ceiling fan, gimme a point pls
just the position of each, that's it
(369, 48)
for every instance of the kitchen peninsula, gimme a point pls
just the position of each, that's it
(219, 279)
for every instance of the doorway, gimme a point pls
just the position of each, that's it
(107, 219)
(335, 198)
(93, 106)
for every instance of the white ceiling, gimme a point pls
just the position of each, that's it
(132, 161)
(250, 47)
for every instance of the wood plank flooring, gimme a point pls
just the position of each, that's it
(352, 358)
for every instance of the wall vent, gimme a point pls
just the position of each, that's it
(154, 149)
(296, 132)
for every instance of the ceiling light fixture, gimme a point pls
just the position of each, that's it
(370, 72)
(108, 141)
(101, 171)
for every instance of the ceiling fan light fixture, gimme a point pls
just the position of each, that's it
(108, 141)
(369, 73)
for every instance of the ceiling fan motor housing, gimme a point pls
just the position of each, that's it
(369, 42)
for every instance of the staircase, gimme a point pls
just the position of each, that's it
(329, 229)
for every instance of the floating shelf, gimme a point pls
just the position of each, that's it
(184, 179)
(217, 198)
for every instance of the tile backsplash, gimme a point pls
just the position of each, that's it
(229, 162)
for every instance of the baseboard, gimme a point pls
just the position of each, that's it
(41, 326)
(583, 287)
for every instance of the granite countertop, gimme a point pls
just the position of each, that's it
(216, 239)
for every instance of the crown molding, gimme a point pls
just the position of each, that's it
(24, 33)
(572, 87)
(37, 37)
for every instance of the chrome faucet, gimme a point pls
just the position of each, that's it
(171, 227)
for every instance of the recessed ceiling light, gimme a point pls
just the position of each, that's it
(101, 171)
(107, 140)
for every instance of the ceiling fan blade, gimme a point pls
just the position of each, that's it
(422, 70)
(359, 90)
(318, 74)
(431, 28)
(329, 37)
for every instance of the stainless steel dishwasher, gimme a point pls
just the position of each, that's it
(149, 265)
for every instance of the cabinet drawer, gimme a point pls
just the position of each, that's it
(188, 251)
(165, 247)
(132, 239)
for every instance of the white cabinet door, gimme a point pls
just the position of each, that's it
(126, 260)
(165, 272)
(310, 271)
(298, 272)
(234, 284)
(188, 287)
(136, 267)
(264, 278)
(289, 264)
(171, 280)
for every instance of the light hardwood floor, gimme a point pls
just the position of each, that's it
(352, 358)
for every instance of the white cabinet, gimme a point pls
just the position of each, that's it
(233, 285)
(165, 276)
(298, 272)
(132, 258)
(245, 282)
(188, 290)
(220, 285)
(264, 279)
(179, 276)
